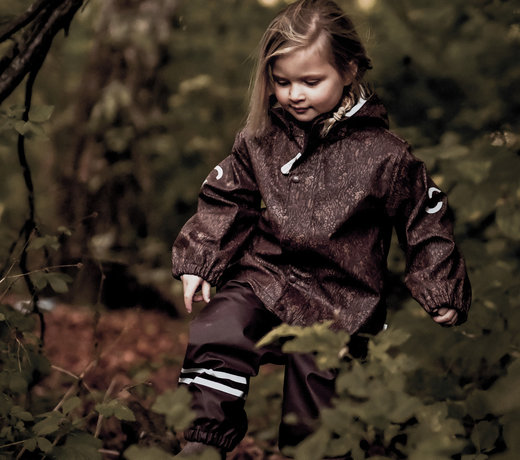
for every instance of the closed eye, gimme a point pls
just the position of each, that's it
(281, 82)
(312, 82)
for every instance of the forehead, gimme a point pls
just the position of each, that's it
(303, 60)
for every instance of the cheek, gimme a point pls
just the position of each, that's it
(280, 94)
(332, 96)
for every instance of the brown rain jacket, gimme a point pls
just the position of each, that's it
(311, 236)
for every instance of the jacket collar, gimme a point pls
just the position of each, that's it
(370, 113)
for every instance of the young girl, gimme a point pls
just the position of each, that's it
(295, 225)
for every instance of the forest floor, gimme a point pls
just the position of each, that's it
(131, 345)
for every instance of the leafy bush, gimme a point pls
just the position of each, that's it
(422, 393)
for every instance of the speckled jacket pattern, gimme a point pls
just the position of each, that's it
(312, 240)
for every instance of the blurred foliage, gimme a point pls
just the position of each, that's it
(138, 103)
(25, 426)
(69, 420)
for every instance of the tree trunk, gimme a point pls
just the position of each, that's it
(105, 180)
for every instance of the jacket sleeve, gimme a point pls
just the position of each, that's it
(435, 269)
(228, 209)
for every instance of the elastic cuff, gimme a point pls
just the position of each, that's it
(223, 442)
(212, 276)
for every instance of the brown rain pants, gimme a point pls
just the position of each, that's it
(222, 356)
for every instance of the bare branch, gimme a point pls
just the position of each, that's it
(48, 21)
(23, 20)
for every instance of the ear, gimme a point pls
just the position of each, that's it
(350, 74)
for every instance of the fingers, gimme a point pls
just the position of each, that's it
(191, 284)
(206, 291)
(446, 316)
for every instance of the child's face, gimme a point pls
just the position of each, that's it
(306, 84)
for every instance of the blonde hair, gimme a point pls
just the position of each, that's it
(300, 25)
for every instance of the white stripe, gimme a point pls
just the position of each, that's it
(218, 374)
(286, 168)
(356, 108)
(211, 384)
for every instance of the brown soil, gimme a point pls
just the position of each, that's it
(108, 350)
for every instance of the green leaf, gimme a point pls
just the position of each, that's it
(6, 403)
(41, 113)
(346, 442)
(70, 404)
(485, 435)
(115, 408)
(79, 446)
(29, 130)
(146, 453)
(22, 414)
(314, 446)
(210, 454)
(325, 344)
(281, 332)
(504, 393)
(58, 282)
(105, 409)
(384, 341)
(511, 428)
(18, 383)
(355, 381)
(48, 241)
(50, 424)
(6, 433)
(122, 412)
(39, 279)
(318, 339)
(436, 435)
(16, 110)
(175, 405)
(44, 444)
(30, 444)
(65, 230)
(478, 404)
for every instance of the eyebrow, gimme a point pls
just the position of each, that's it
(304, 77)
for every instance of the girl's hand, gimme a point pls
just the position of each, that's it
(191, 284)
(446, 316)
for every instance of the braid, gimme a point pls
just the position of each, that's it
(347, 103)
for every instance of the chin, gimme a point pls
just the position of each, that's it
(306, 117)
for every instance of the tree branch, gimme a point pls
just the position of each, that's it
(20, 22)
(47, 21)
(47, 18)
(30, 223)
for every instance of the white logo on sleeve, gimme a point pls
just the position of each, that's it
(220, 173)
(438, 206)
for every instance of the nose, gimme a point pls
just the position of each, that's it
(296, 93)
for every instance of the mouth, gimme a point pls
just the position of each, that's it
(300, 110)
